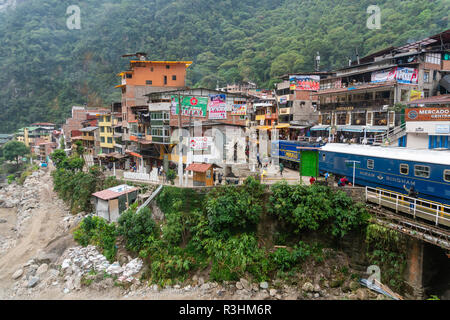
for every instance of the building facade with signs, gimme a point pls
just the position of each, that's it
(358, 102)
(219, 113)
(298, 106)
(144, 77)
(428, 123)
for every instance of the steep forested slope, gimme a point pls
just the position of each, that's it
(45, 68)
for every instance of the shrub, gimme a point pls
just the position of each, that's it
(171, 175)
(136, 228)
(234, 257)
(235, 208)
(96, 231)
(316, 206)
(285, 260)
(11, 178)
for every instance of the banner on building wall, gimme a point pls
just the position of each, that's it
(415, 95)
(239, 110)
(200, 143)
(428, 114)
(217, 107)
(195, 106)
(402, 75)
(304, 82)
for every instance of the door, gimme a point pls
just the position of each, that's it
(309, 163)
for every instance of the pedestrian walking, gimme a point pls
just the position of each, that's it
(413, 195)
(220, 178)
(259, 160)
(281, 168)
(327, 175)
(312, 180)
(214, 178)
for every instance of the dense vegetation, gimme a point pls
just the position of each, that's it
(46, 66)
(73, 185)
(217, 232)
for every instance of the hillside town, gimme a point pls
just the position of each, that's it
(377, 129)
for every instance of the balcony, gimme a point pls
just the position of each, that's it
(351, 105)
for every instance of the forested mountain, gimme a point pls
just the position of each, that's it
(45, 68)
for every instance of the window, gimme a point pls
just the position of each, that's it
(165, 79)
(404, 168)
(426, 93)
(109, 140)
(149, 82)
(434, 74)
(151, 69)
(422, 171)
(102, 139)
(174, 77)
(434, 58)
(426, 77)
(167, 67)
(102, 129)
(323, 156)
(447, 175)
(370, 164)
(129, 76)
(108, 119)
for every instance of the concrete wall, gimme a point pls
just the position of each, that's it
(417, 140)
(102, 209)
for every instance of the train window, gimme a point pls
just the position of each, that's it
(422, 171)
(323, 156)
(404, 168)
(447, 175)
(370, 164)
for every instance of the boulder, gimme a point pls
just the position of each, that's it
(114, 269)
(32, 282)
(264, 285)
(245, 284)
(17, 274)
(239, 285)
(361, 294)
(354, 285)
(308, 287)
(42, 269)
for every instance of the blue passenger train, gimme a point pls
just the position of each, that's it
(391, 168)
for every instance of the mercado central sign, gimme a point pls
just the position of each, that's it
(428, 114)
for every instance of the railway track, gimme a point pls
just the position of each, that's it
(411, 227)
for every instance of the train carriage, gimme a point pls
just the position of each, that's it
(391, 168)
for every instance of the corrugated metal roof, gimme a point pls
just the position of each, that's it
(442, 99)
(114, 192)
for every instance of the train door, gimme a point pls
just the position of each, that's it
(309, 161)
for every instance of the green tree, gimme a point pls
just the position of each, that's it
(14, 150)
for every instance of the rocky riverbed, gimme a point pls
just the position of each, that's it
(40, 260)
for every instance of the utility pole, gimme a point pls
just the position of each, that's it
(180, 145)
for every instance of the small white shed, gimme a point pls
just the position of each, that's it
(110, 203)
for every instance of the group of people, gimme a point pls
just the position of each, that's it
(218, 177)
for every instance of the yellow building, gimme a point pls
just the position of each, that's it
(106, 123)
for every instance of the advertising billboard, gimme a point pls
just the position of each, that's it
(304, 82)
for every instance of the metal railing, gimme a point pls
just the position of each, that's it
(436, 212)
(390, 136)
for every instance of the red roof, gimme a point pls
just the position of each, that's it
(110, 194)
(201, 167)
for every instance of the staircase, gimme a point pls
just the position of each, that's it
(390, 137)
